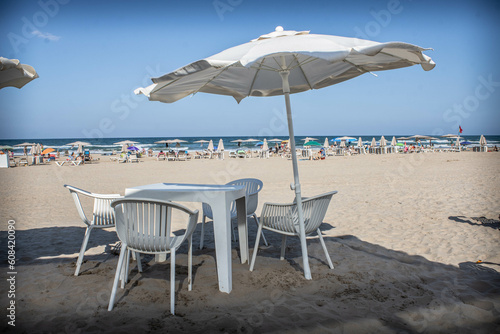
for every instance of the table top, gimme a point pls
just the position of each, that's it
(183, 187)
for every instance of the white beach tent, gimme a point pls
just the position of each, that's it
(283, 63)
(484, 145)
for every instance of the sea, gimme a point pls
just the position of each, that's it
(107, 145)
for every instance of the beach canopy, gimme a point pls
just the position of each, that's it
(210, 145)
(306, 139)
(265, 147)
(15, 74)
(79, 143)
(482, 141)
(312, 143)
(48, 150)
(275, 139)
(344, 138)
(360, 142)
(220, 147)
(283, 63)
(383, 142)
(374, 142)
(326, 143)
(394, 142)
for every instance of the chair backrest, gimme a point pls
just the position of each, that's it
(144, 225)
(252, 188)
(284, 217)
(102, 214)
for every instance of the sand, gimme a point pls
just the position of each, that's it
(404, 233)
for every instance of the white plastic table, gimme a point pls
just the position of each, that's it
(219, 197)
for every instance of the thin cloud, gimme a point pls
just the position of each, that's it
(45, 35)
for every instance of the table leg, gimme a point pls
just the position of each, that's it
(242, 229)
(221, 209)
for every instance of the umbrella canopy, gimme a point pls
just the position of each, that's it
(48, 150)
(220, 147)
(306, 139)
(383, 142)
(482, 141)
(201, 141)
(465, 142)
(283, 63)
(237, 141)
(77, 143)
(126, 142)
(15, 74)
(374, 142)
(132, 148)
(360, 142)
(275, 139)
(394, 142)
(312, 143)
(210, 145)
(6, 147)
(24, 144)
(342, 143)
(345, 138)
(326, 143)
(265, 147)
(250, 140)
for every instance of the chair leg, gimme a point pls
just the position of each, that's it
(324, 248)
(257, 222)
(125, 268)
(283, 247)
(172, 281)
(256, 247)
(190, 263)
(202, 235)
(138, 259)
(117, 277)
(82, 249)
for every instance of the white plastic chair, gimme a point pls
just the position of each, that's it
(103, 215)
(143, 226)
(283, 219)
(252, 187)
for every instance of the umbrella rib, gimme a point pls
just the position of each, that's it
(255, 77)
(359, 68)
(303, 73)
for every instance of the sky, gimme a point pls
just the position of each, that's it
(91, 55)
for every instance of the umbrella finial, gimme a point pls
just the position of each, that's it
(279, 28)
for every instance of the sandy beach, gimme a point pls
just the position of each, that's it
(405, 233)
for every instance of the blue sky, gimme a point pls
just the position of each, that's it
(91, 55)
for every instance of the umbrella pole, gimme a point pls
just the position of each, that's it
(296, 185)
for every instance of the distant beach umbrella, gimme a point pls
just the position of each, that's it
(126, 142)
(48, 150)
(265, 147)
(383, 142)
(342, 143)
(360, 142)
(326, 143)
(394, 142)
(220, 147)
(15, 74)
(374, 142)
(210, 145)
(309, 139)
(275, 139)
(312, 143)
(282, 63)
(344, 138)
(76, 143)
(133, 148)
(201, 142)
(482, 141)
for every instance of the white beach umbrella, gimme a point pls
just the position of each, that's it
(482, 141)
(374, 142)
(342, 143)
(383, 142)
(275, 140)
(306, 139)
(76, 143)
(201, 142)
(265, 147)
(394, 142)
(15, 74)
(326, 143)
(283, 63)
(210, 145)
(360, 142)
(220, 147)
